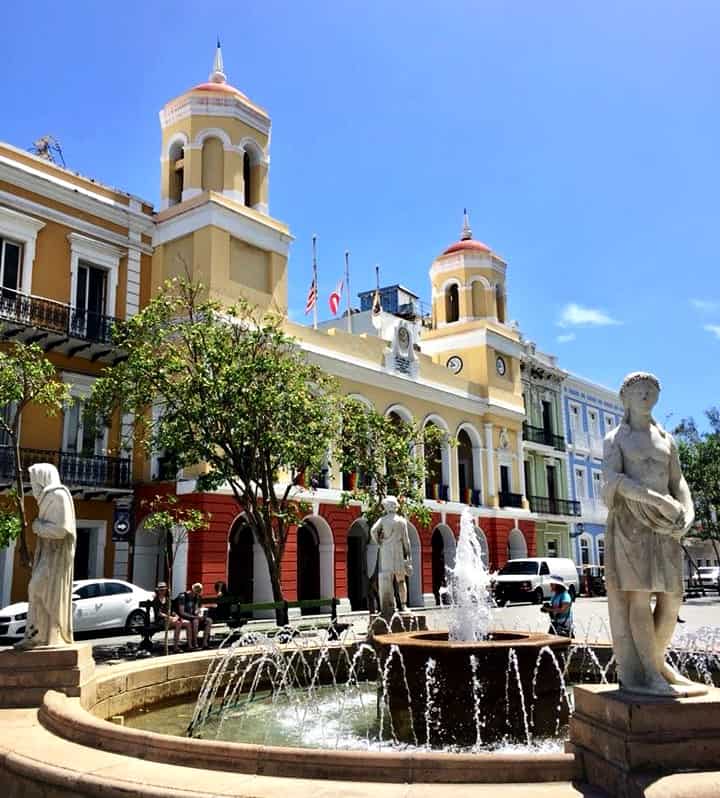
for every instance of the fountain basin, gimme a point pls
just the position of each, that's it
(457, 693)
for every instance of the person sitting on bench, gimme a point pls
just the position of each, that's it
(187, 606)
(166, 618)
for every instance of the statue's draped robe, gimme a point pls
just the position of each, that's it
(395, 545)
(640, 553)
(50, 588)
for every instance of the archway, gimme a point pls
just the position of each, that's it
(241, 562)
(517, 547)
(443, 557)
(315, 561)
(452, 303)
(466, 470)
(437, 461)
(357, 564)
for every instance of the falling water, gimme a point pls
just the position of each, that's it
(468, 586)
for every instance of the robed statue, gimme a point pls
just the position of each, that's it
(49, 619)
(390, 533)
(649, 511)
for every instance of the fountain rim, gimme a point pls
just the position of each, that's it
(427, 640)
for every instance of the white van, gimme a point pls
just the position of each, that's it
(528, 579)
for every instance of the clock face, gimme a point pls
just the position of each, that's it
(500, 366)
(404, 337)
(455, 364)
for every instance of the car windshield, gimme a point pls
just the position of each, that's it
(523, 567)
(708, 569)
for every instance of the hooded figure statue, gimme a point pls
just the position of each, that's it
(49, 619)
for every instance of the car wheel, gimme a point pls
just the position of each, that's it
(135, 621)
(538, 596)
(500, 601)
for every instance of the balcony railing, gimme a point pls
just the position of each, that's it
(471, 496)
(436, 491)
(543, 436)
(76, 470)
(509, 499)
(55, 317)
(550, 506)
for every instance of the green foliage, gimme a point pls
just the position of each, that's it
(232, 391)
(700, 459)
(386, 455)
(26, 376)
(165, 512)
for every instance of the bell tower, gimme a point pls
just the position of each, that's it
(215, 221)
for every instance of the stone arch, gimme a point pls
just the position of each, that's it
(257, 570)
(212, 132)
(469, 457)
(176, 169)
(253, 163)
(401, 412)
(443, 557)
(176, 145)
(360, 398)
(213, 164)
(482, 540)
(432, 473)
(451, 299)
(315, 552)
(358, 563)
(517, 545)
(479, 286)
(415, 591)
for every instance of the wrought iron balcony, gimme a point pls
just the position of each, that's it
(550, 506)
(509, 499)
(543, 436)
(77, 471)
(56, 325)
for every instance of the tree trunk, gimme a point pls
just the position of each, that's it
(20, 499)
(281, 613)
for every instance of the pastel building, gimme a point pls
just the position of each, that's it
(590, 411)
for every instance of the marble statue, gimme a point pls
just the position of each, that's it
(650, 509)
(390, 533)
(49, 619)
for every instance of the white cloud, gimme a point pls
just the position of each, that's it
(574, 315)
(705, 305)
(564, 339)
(713, 328)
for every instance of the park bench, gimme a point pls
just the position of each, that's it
(239, 613)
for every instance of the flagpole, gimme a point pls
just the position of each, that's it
(315, 280)
(347, 288)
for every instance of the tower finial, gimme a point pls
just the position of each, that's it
(218, 74)
(466, 231)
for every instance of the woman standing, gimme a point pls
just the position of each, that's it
(559, 609)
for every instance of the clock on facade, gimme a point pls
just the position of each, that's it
(455, 364)
(500, 366)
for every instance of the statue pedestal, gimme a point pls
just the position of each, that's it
(400, 622)
(25, 676)
(622, 741)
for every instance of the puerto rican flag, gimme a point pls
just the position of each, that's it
(335, 296)
(311, 297)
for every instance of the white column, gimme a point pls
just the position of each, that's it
(490, 457)
(477, 470)
(179, 580)
(521, 464)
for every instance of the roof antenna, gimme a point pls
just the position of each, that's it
(48, 147)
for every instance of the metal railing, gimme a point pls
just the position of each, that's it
(550, 506)
(509, 499)
(543, 436)
(57, 317)
(87, 471)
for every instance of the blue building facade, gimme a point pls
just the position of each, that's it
(590, 411)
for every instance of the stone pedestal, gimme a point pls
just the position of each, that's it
(621, 740)
(400, 622)
(25, 676)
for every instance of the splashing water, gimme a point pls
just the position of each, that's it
(468, 587)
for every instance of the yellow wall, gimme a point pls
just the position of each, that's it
(213, 168)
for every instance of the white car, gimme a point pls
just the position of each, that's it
(97, 604)
(707, 576)
(528, 579)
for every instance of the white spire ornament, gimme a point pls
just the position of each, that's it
(466, 231)
(218, 74)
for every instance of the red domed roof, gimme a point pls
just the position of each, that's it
(222, 88)
(467, 244)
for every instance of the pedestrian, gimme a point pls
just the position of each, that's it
(165, 617)
(187, 605)
(560, 608)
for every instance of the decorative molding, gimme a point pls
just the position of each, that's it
(469, 339)
(95, 253)
(228, 107)
(23, 229)
(176, 138)
(212, 133)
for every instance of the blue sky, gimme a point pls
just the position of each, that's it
(581, 136)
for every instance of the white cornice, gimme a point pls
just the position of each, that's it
(228, 107)
(464, 262)
(352, 368)
(72, 195)
(472, 338)
(97, 252)
(583, 384)
(234, 222)
(81, 225)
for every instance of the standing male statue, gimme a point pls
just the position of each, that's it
(650, 509)
(49, 619)
(390, 533)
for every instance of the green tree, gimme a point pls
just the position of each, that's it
(232, 391)
(26, 377)
(385, 455)
(700, 459)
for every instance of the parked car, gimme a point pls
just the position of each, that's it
(707, 576)
(527, 579)
(98, 604)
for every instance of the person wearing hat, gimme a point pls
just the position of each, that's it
(560, 608)
(165, 617)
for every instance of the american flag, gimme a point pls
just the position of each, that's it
(311, 297)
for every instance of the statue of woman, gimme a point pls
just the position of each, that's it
(49, 620)
(650, 509)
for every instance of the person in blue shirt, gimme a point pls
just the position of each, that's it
(559, 609)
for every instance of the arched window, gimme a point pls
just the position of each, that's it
(433, 469)
(601, 551)
(176, 174)
(213, 164)
(585, 551)
(466, 473)
(452, 303)
(247, 181)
